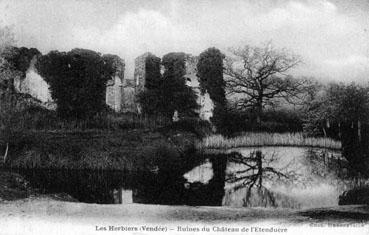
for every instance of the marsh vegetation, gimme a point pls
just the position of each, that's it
(252, 139)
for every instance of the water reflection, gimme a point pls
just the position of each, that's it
(290, 177)
(105, 187)
(268, 177)
(166, 186)
(123, 196)
(282, 177)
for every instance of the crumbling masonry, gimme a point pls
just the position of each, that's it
(121, 92)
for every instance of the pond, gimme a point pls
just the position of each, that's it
(289, 177)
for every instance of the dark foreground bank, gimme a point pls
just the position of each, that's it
(132, 149)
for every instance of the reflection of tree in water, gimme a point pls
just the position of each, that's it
(324, 162)
(258, 168)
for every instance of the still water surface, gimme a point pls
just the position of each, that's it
(289, 177)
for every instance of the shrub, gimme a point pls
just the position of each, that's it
(231, 121)
(198, 127)
(279, 121)
(355, 196)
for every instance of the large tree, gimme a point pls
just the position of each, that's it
(258, 76)
(6, 37)
(10, 101)
(7, 70)
(342, 111)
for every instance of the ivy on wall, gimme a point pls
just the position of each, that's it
(167, 93)
(77, 81)
(210, 73)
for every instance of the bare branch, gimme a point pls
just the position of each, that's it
(259, 76)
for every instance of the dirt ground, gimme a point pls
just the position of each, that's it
(45, 215)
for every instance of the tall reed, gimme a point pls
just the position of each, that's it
(251, 139)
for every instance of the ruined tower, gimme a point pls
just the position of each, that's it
(192, 80)
(206, 105)
(35, 85)
(140, 72)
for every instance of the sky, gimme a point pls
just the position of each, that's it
(331, 36)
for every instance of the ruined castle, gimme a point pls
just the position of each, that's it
(121, 92)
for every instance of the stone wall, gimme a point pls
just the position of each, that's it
(34, 85)
(114, 93)
(114, 86)
(129, 103)
(140, 72)
(139, 81)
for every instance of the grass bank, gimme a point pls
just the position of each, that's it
(132, 149)
(250, 139)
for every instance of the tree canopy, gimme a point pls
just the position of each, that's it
(342, 111)
(257, 77)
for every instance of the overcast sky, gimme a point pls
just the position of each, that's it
(332, 36)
